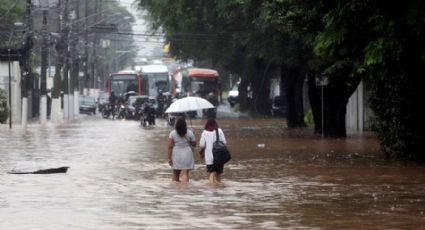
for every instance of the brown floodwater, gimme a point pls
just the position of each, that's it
(119, 179)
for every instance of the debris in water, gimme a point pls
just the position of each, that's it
(44, 171)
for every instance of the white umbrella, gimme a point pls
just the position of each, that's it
(188, 104)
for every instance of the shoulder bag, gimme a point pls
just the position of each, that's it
(220, 152)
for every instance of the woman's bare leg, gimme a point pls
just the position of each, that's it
(218, 178)
(212, 178)
(176, 175)
(185, 176)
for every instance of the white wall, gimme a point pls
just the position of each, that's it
(16, 90)
(274, 87)
(50, 75)
(355, 120)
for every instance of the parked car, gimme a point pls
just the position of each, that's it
(87, 105)
(233, 95)
(102, 101)
(278, 106)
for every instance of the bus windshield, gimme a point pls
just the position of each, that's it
(121, 84)
(200, 86)
(158, 81)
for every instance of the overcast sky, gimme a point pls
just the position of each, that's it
(147, 47)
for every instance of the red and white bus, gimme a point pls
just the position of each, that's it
(155, 79)
(124, 81)
(198, 82)
(148, 80)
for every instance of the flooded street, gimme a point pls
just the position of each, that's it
(119, 179)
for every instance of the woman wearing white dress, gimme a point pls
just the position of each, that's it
(180, 154)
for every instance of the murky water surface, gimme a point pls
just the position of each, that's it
(119, 179)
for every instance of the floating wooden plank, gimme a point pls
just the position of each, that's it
(44, 171)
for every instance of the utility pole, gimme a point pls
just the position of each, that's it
(26, 68)
(86, 46)
(43, 72)
(56, 100)
(10, 91)
(75, 67)
(95, 41)
(66, 63)
(100, 71)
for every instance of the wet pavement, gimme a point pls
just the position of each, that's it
(119, 179)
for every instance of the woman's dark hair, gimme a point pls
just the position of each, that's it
(211, 124)
(181, 126)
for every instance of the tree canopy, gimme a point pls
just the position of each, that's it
(380, 42)
(11, 11)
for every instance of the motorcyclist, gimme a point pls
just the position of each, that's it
(160, 98)
(149, 112)
(112, 103)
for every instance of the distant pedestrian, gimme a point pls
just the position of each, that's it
(180, 154)
(208, 137)
(112, 103)
(49, 105)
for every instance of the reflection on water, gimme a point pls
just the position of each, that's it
(119, 179)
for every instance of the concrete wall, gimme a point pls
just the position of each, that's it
(16, 90)
(357, 118)
(274, 87)
(50, 75)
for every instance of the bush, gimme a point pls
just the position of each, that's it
(4, 110)
(396, 100)
(308, 118)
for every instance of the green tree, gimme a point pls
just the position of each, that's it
(395, 57)
(4, 110)
(378, 41)
(304, 22)
(11, 11)
(347, 41)
(222, 32)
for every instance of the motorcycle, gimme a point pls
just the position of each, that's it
(131, 112)
(107, 111)
(122, 112)
(148, 115)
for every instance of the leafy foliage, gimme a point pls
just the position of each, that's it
(4, 110)
(378, 41)
(11, 11)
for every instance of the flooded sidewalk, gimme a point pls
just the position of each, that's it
(119, 178)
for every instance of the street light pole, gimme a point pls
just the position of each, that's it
(86, 47)
(323, 110)
(10, 74)
(75, 59)
(10, 92)
(55, 114)
(43, 72)
(322, 81)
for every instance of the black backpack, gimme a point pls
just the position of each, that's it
(220, 152)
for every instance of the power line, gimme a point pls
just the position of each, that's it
(176, 34)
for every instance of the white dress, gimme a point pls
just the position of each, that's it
(182, 155)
